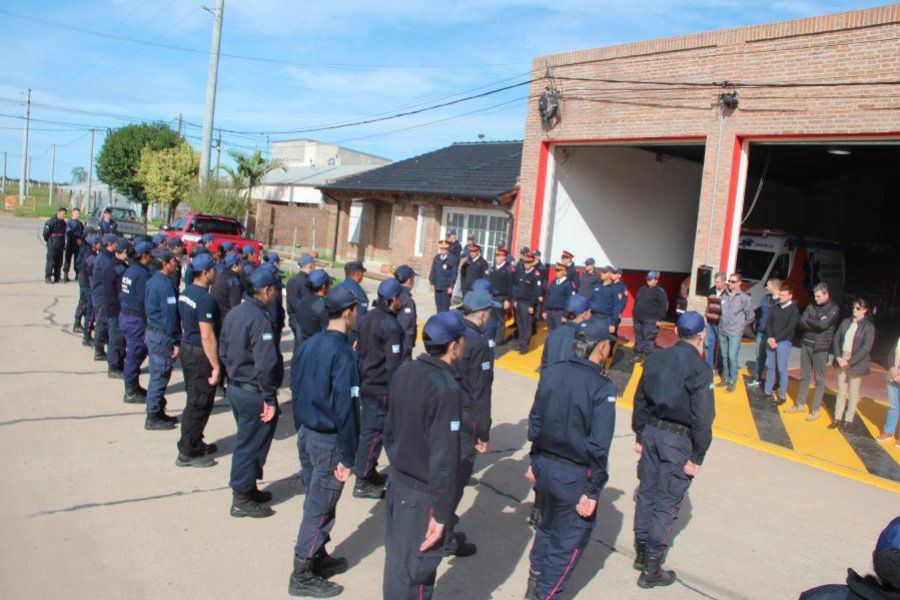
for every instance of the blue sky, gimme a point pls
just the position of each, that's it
(342, 60)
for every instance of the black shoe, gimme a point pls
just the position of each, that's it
(640, 559)
(47, 280)
(170, 418)
(368, 490)
(835, 425)
(259, 496)
(472, 482)
(306, 583)
(132, 397)
(88, 343)
(210, 449)
(327, 566)
(722, 383)
(243, 505)
(155, 423)
(461, 549)
(77, 328)
(100, 356)
(115, 374)
(531, 590)
(654, 575)
(730, 387)
(200, 462)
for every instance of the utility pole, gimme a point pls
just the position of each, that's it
(23, 179)
(91, 171)
(209, 117)
(180, 124)
(52, 169)
(218, 153)
(28, 175)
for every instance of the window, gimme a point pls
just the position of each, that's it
(356, 213)
(178, 224)
(220, 226)
(488, 228)
(420, 231)
(330, 162)
(753, 264)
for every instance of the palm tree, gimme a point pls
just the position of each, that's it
(249, 170)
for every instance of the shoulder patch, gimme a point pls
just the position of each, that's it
(454, 425)
(395, 348)
(486, 366)
(267, 337)
(611, 399)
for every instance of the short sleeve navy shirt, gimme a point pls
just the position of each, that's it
(196, 306)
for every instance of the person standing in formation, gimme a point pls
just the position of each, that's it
(443, 276)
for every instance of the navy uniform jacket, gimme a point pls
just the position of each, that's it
(161, 305)
(297, 290)
(471, 271)
(112, 285)
(195, 306)
(111, 227)
(528, 287)
(476, 370)
(175, 278)
(104, 259)
(573, 417)
(84, 266)
(227, 290)
(380, 350)
(677, 386)
(421, 433)
(558, 345)
(407, 318)
(558, 294)
(443, 271)
(621, 299)
(74, 230)
(133, 290)
(572, 275)
(55, 231)
(312, 318)
(587, 283)
(360, 294)
(325, 390)
(247, 348)
(502, 279)
(650, 304)
(455, 249)
(604, 301)
(544, 271)
(276, 310)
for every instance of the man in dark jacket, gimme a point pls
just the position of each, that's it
(83, 310)
(311, 313)
(780, 330)
(502, 277)
(558, 293)
(406, 314)
(773, 286)
(55, 236)
(229, 286)
(105, 258)
(297, 289)
(589, 280)
(473, 267)
(650, 307)
(443, 276)
(112, 285)
(74, 240)
(818, 323)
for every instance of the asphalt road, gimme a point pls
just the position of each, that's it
(92, 505)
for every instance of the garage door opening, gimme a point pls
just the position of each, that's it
(826, 212)
(634, 207)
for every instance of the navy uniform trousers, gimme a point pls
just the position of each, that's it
(159, 349)
(524, 321)
(200, 398)
(662, 487)
(134, 330)
(253, 438)
(101, 330)
(372, 415)
(464, 472)
(53, 264)
(496, 327)
(645, 332)
(408, 573)
(322, 493)
(83, 308)
(554, 318)
(561, 534)
(115, 351)
(306, 466)
(442, 300)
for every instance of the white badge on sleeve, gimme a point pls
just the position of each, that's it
(486, 366)
(491, 344)
(611, 399)
(454, 425)
(171, 300)
(395, 348)
(267, 337)
(354, 391)
(407, 310)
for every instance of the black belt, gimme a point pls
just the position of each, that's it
(158, 330)
(562, 459)
(132, 313)
(247, 387)
(671, 427)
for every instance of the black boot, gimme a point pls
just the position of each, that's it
(368, 490)
(100, 356)
(115, 373)
(654, 575)
(260, 496)
(200, 462)
(87, 342)
(77, 328)
(304, 582)
(640, 559)
(531, 590)
(243, 505)
(155, 422)
(327, 566)
(132, 396)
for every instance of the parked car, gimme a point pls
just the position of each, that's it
(131, 225)
(191, 227)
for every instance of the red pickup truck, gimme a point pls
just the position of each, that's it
(191, 226)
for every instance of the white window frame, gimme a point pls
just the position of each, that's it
(354, 223)
(464, 232)
(419, 248)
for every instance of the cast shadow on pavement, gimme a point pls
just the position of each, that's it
(367, 537)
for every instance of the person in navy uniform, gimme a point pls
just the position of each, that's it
(571, 271)
(296, 290)
(589, 280)
(195, 252)
(621, 294)
(108, 224)
(251, 259)
(55, 236)
(83, 310)
(558, 345)
(248, 354)
(325, 392)
(526, 295)
(224, 250)
(105, 258)
(74, 239)
(228, 288)
(200, 325)
(443, 276)
(503, 277)
(112, 286)
(604, 300)
(276, 309)
(476, 375)
(163, 337)
(353, 275)
(473, 268)
(422, 439)
(454, 247)
(558, 293)
(570, 428)
(406, 314)
(380, 353)
(159, 240)
(650, 307)
(311, 312)
(176, 245)
(673, 414)
(133, 321)
(544, 271)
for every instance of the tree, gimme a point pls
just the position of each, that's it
(217, 198)
(251, 169)
(120, 156)
(79, 175)
(168, 175)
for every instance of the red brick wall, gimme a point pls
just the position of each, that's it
(277, 222)
(855, 46)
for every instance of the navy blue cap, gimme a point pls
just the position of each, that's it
(483, 284)
(451, 232)
(109, 238)
(537, 253)
(443, 328)
(577, 304)
(404, 273)
(318, 278)
(248, 250)
(163, 254)
(338, 298)
(389, 289)
(618, 270)
(93, 239)
(652, 275)
(159, 238)
(226, 246)
(271, 268)
(206, 238)
(273, 257)
(198, 250)
(691, 323)
(175, 242)
(890, 537)
(122, 244)
(202, 262)
(595, 330)
(261, 278)
(590, 261)
(231, 260)
(142, 248)
(477, 300)
(306, 259)
(354, 267)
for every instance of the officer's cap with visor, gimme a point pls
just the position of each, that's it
(477, 300)
(175, 242)
(339, 298)
(232, 259)
(207, 238)
(226, 246)
(590, 261)
(404, 273)
(261, 278)
(271, 268)
(690, 324)
(306, 259)
(389, 289)
(578, 304)
(162, 254)
(248, 250)
(354, 267)
(203, 262)
(319, 278)
(198, 250)
(109, 238)
(483, 284)
(122, 245)
(273, 257)
(443, 328)
(142, 248)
